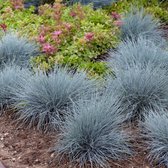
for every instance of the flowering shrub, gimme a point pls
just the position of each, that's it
(76, 35)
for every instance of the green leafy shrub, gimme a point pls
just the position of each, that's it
(75, 34)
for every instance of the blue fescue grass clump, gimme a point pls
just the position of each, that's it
(47, 99)
(140, 89)
(11, 78)
(155, 132)
(93, 135)
(96, 3)
(138, 23)
(16, 50)
(141, 52)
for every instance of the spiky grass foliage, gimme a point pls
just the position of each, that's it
(155, 132)
(93, 136)
(47, 99)
(96, 3)
(138, 23)
(11, 78)
(140, 89)
(16, 50)
(141, 52)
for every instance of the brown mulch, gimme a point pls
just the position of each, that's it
(165, 29)
(24, 148)
(28, 148)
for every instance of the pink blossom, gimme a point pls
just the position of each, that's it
(68, 26)
(41, 39)
(116, 15)
(118, 23)
(57, 33)
(18, 7)
(56, 39)
(3, 26)
(48, 48)
(55, 36)
(73, 14)
(89, 36)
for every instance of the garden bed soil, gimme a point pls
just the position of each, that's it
(27, 148)
(165, 29)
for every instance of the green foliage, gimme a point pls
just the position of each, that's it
(159, 12)
(25, 21)
(75, 35)
(154, 7)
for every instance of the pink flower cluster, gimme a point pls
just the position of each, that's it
(115, 15)
(17, 4)
(57, 33)
(89, 36)
(50, 40)
(118, 22)
(41, 38)
(73, 14)
(48, 48)
(3, 26)
(68, 26)
(55, 36)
